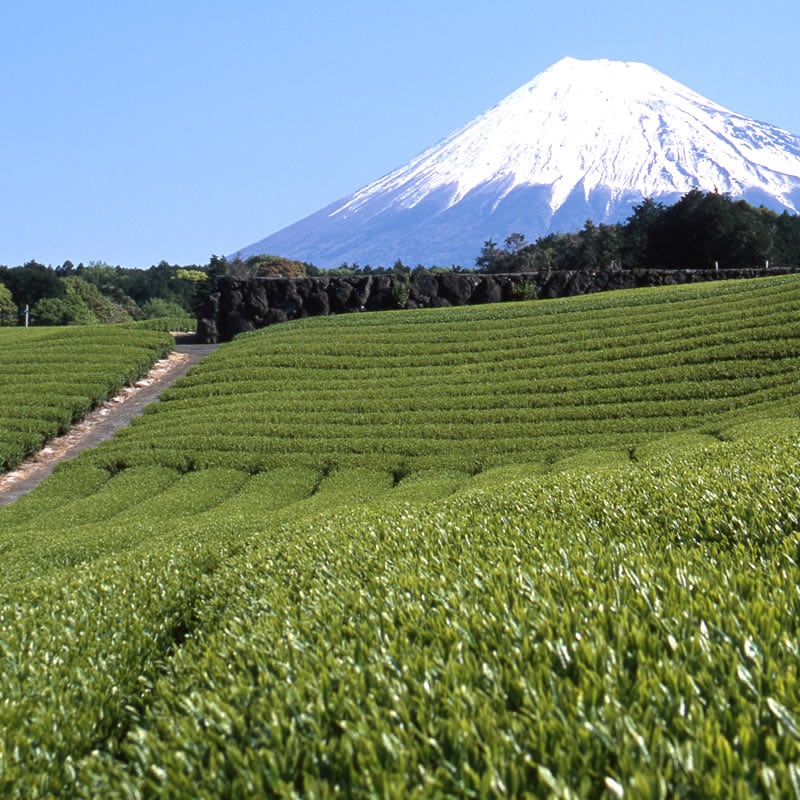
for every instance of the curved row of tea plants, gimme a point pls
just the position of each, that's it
(51, 377)
(293, 633)
(482, 386)
(632, 633)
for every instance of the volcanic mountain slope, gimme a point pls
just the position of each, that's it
(582, 140)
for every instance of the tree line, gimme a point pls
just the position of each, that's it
(701, 230)
(100, 293)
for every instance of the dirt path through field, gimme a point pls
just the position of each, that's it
(103, 422)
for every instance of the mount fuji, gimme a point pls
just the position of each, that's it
(582, 140)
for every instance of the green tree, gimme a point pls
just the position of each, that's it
(161, 307)
(489, 256)
(637, 230)
(706, 229)
(66, 310)
(217, 265)
(608, 246)
(497, 259)
(32, 282)
(192, 275)
(80, 303)
(786, 239)
(400, 268)
(515, 242)
(266, 266)
(101, 307)
(8, 308)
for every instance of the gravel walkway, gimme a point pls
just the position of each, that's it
(103, 422)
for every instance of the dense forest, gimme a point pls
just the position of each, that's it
(701, 230)
(98, 293)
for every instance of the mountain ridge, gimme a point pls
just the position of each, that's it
(583, 139)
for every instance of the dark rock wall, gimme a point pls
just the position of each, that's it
(236, 305)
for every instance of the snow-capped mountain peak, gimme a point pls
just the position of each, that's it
(584, 139)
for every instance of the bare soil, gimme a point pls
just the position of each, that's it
(102, 423)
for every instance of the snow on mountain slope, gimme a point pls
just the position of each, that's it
(584, 139)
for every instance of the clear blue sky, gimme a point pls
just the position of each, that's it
(132, 132)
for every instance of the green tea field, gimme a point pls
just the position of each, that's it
(542, 549)
(51, 377)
